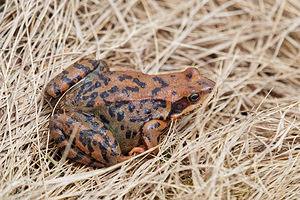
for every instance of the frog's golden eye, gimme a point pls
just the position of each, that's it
(194, 97)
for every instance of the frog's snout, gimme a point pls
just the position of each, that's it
(207, 86)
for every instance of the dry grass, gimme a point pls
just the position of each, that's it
(245, 145)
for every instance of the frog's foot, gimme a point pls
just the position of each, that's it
(151, 134)
(77, 155)
(67, 78)
(94, 146)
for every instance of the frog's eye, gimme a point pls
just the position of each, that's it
(194, 97)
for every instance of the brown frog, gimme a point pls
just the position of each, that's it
(112, 113)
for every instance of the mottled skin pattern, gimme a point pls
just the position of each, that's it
(113, 113)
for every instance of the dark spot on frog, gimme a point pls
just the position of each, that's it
(82, 88)
(161, 117)
(85, 139)
(66, 79)
(95, 124)
(122, 127)
(70, 121)
(105, 145)
(133, 119)
(78, 77)
(156, 125)
(94, 142)
(94, 63)
(134, 134)
(107, 103)
(103, 78)
(113, 89)
(83, 68)
(131, 107)
(112, 111)
(85, 97)
(174, 92)
(114, 145)
(113, 153)
(103, 151)
(172, 75)
(125, 92)
(86, 85)
(142, 102)
(128, 134)
(107, 138)
(102, 131)
(161, 81)
(189, 75)
(138, 112)
(103, 119)
(121, 103)
(97, 84)
(104, 64)
(158, 103)
(65, 72)
(155, 91)
(104, 95)
(92, 88)
(149, 117)
(89, 117)
(91, 103)
(120, 115)
(163, 85)
(94, 95)
(147, 111)
(56, 88)
(132, 89)
(139, 83)
(122, 78)
(60, 139)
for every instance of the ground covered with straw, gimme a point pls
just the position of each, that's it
(244, 145)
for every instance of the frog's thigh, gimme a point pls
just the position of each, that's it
(67, 78)
(73, 153)
(151, 133)
(99, 144)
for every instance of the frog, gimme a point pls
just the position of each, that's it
(107, 114)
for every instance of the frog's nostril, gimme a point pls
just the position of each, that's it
(209, 85)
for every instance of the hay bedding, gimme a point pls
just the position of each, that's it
(245, 145)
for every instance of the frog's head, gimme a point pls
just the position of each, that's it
(190, 93)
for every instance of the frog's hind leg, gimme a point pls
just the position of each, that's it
(73, 153)
(74, 73)
(93, 146)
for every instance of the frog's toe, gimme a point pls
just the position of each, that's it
(80, 157)
(138, 150)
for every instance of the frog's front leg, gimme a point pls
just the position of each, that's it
(150, 136)
(74, 73)
(94, 146)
